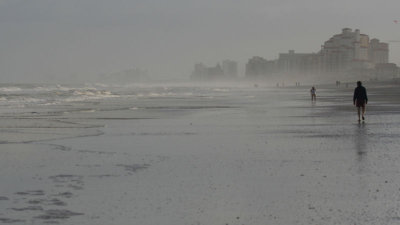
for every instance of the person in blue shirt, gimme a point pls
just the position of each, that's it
(360, 99)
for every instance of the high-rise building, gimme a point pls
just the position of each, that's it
(349, 54)
(378, 52)
(352, 50)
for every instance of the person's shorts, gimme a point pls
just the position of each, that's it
(360, 103)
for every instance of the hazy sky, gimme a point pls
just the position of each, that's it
(42, 39)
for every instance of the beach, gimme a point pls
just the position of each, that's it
(198, 154)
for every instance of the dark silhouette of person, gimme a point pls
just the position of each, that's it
(360, 99)
(313, 94)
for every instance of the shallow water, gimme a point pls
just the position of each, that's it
(196, 155)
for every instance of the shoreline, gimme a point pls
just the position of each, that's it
(245, 155)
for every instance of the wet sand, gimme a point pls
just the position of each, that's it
(245, 156)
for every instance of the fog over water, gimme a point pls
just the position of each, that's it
(76, 40)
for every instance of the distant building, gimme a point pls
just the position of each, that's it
(350, 50)
(230, 68)
(258, 67)
(297, 62)
(349, 54)
(216, 72)
(387, 70)
(204, 73)
(200, 72)
(378, 52)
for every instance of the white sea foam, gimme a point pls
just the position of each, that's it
(162, 94)
(10, 89)
(88, 111)
(101, 85)
(45, 89)
(49, 95)
(89, 94)
(221, 89)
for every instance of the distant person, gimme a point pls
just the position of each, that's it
(313, 94)
(360, 99)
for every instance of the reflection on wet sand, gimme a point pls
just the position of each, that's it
(361, 139)
(362, 162)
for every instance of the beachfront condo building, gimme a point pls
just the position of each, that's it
(349, 53)
(352, 50)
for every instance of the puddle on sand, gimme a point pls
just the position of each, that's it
(53, 201)
(134, 168)
(31, 193)
(9, 220)
(57, 214)
(29, 208)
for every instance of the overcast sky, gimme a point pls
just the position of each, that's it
(41, 39)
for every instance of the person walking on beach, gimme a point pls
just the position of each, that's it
(313, 94)
(360, 99)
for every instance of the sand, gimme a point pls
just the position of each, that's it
(241, 156)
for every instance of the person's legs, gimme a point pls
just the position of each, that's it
(358, 112)
(363, 112)
(313, 97)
